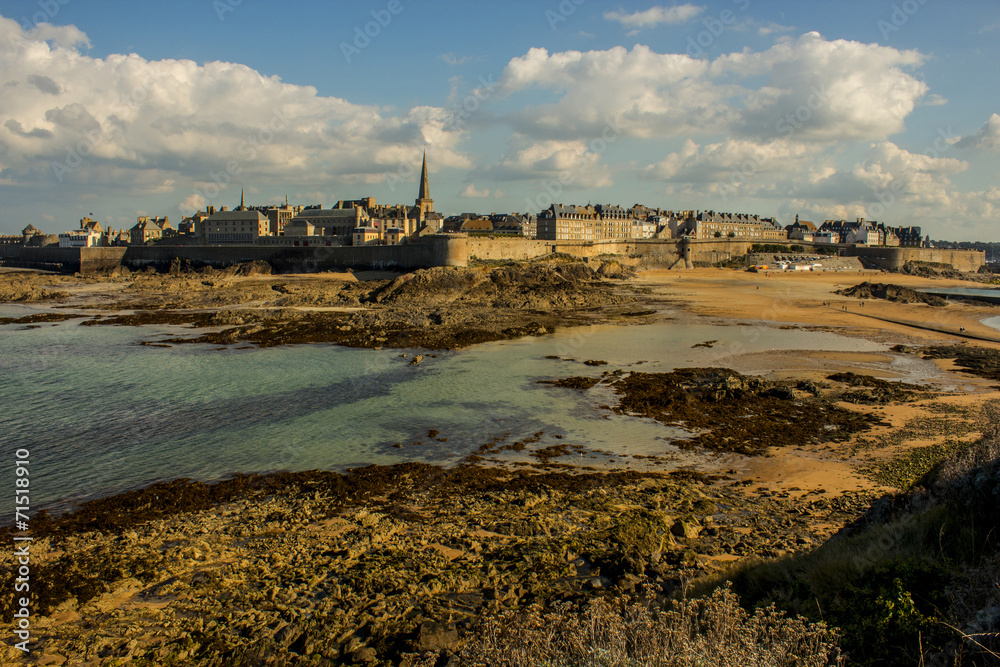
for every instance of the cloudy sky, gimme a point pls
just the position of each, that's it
(888, 110)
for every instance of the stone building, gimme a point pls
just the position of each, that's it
(477, 225)
(191, 225)
(80, 238)
(453, 223)
(744, 226)
(241, 226)
(337, 225)
(909, 237)
(145, 230)
(616, 222)
(35, 238)
(869, 232)
(513, 224)
(360, 221)
(569, 223)
(366, 236)
(29, 232)
(801, 230)
(279, 216)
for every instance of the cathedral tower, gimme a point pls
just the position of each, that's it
(424, 203)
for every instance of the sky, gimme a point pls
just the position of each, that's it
(834, 110)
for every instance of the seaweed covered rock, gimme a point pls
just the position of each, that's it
(730, 411)
(889, 292)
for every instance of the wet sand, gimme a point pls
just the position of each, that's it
(809, 300)
(799, 297)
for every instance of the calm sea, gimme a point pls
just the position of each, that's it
(101, 413)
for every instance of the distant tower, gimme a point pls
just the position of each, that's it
(424, 202)
(242, 205)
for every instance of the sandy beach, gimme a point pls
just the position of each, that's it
(799, 297)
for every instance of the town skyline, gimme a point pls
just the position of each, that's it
(727, 106)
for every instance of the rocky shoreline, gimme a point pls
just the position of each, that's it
(439, 308)
(390, 565)
(378, 563)
(731, 412)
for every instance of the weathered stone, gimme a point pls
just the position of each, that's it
(686, 529)
(364, 655)
(437, 637)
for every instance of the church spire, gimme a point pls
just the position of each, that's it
(425, 188)
(424, 203)
(242, 205)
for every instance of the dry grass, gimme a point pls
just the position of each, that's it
(714, 631)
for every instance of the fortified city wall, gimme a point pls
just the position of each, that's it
(895, 258)
(446, 250)
(430, 251)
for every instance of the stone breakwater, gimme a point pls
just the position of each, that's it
(374, 565)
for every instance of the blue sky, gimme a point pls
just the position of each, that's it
(888, 110)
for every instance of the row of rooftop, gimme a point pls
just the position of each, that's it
(365, 222)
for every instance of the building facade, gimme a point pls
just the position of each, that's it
(337, 225)
(80, 238)
(239, 227)
(569, 223)
(712, 225)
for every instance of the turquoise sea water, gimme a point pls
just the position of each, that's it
(101, 413)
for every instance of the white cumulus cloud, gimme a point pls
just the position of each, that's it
(571, 163)
(471, 192)
(810, 89)
(655, 16)
(731, 159)
(987, 137)
(126, 122)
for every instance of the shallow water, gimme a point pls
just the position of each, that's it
(991, 294)
(101, 413)
(993, 322)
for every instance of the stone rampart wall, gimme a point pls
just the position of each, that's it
(895, 258)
